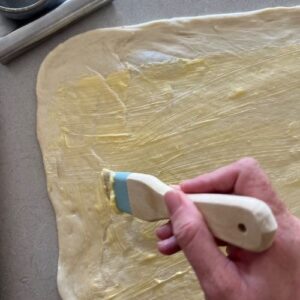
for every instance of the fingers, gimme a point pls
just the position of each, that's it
(168, 246)
(196, 241)
(219, 181)
(252, 181)
(244, 177)
(165, 231)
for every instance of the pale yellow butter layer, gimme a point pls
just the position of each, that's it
(174, 118)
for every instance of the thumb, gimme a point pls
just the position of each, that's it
(196, 241)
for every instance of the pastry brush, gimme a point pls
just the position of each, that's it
(242, 221)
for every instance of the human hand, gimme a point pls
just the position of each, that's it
(273, 274)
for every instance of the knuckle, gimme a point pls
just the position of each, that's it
(249, 162)
(265, 184)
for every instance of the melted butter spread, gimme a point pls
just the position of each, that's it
(173, 119)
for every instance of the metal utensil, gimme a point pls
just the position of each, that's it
(21, 10)
(21, 39)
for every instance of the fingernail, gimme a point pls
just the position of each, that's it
(183, 184)
(160, 230)
(175, 187)
(163, 243)
(167, 243)
(173, 201)
(164, 231)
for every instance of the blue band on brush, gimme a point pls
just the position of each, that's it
(121, 191)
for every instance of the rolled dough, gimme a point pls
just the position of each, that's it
(172, 98)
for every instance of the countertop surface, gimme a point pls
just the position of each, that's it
(28, 237)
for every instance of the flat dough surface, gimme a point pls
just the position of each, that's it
(172, 98)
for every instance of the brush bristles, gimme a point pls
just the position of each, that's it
(108, 180)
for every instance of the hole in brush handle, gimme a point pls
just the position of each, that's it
(242, 227)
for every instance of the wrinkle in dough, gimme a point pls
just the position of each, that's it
(174, 119)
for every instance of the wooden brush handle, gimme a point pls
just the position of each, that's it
(245, 222)
(242, 221)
